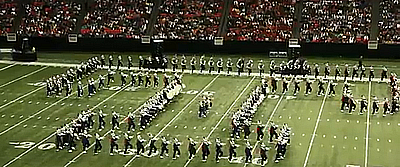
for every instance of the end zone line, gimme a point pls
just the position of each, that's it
(24, 76)
(269, 120)
(19, 98)
(367, 130)
(222, 118)
(7, 67)
(54, 133)
(81, 153)
(316, 126)
(177, 115)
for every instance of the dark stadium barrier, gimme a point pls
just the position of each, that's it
(200, 47)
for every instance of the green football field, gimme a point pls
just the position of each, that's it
(321, 134)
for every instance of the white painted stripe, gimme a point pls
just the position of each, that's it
(316, 127)
(24, 76)
(233, 73)
(42, 110)
(221, 119)
(19, 98)
(80, 154)
(176, 116)
(51, 135)
(367, 128)
(269, 120)
(7, 67)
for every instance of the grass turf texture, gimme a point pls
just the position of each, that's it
(339, 138)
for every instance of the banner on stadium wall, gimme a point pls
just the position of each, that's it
(72, 38)
(372, 45)
(274, 54)
(145, 39)
(11, 37)
(219, 41)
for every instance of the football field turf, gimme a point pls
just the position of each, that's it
(321, 134)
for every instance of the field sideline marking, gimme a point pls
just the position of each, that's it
(125, 68)
(7, 67)
(368, 121)
(176, 116)
(222, 118)
(51, 135)
(24, 76)
(269, 120)
(5, 105)
(316, 126)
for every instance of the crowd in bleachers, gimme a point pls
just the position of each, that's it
(50, 17)
(326, 21)
(261, 20)
(188, 19)
(115, 17)
(336, 21)
(8, 13)
(389, 26)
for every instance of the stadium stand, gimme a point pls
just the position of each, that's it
(323, 21)
(389, 25)
(128, 18)
(8, 13)
(188, 19)
(336, 21)
(261, 20)
(50, 17)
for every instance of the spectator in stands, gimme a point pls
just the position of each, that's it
(50, 17)
(389, 26)
(127, 17)
(261, 20)
(188, 19)
(8, 13)
(340, 21)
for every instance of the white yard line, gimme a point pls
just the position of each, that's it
(7, 67)
(24, 76)
(367, 129)
(81, 153)
(40, 111)
(269, 120)
(222, 118)
(176, 116)
(316, 127)
(37, 113)
(51, 135)
(19, 98)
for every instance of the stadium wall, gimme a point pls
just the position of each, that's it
(199, 47)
